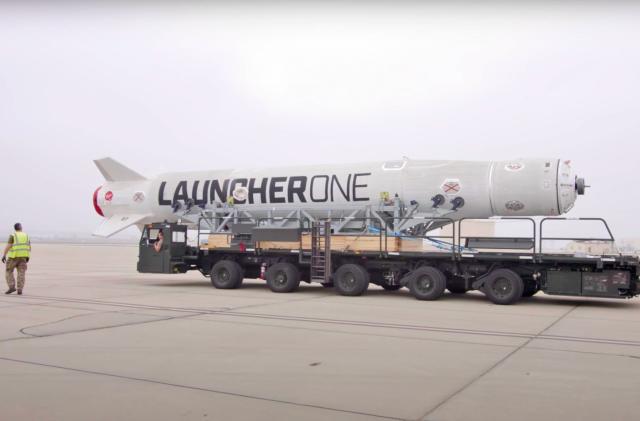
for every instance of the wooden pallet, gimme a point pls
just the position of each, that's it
(278, 245)
(339, 243)
(217, 241)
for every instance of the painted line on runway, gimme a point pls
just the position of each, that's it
(232, 312)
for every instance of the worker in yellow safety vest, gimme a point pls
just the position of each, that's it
(18, 251)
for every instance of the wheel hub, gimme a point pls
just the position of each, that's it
(502, 287)
(280, 278)
(425, 283)
(348, 281)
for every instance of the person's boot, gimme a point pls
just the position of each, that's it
(10, 290)
(19, 292)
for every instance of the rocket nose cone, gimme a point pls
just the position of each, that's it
(96, 206)
(580, 186)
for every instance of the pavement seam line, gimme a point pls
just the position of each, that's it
(193, 313)
(232, 311)
(493, 366)
(22, 330)
(339, 332)
(100, 328)
(574, 351)
(202, 389)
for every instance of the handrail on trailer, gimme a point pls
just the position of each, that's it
(541, 238)
(456, 237)
(508, 218)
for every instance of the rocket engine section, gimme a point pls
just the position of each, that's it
(414, 188)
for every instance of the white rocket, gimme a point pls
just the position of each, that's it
(417, 188)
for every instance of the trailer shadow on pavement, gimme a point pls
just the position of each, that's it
(404, 294)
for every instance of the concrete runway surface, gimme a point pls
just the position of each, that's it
(93, 339)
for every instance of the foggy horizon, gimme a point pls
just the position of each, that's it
(182, 88)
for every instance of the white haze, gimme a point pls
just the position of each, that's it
(170, 88)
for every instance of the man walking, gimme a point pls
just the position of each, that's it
(18, 250)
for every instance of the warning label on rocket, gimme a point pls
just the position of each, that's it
(138, 197)
(514, 166)
(451, 186)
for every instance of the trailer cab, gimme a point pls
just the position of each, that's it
(163, 248)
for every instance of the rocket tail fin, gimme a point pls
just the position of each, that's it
(112, 170)
(117, 223)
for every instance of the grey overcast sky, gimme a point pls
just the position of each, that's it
(169, 88)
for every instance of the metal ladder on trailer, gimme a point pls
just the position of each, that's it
(321, 252)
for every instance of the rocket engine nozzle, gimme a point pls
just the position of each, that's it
(96, 206)
(581, 187)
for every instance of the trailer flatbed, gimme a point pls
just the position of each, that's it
(505, 269)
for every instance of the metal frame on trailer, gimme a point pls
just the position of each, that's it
(397, 215)
(219, 224)
(456, 254)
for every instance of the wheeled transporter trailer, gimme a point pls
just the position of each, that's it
(505, 269)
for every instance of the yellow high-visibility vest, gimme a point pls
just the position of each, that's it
(21, 246)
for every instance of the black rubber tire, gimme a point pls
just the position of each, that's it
(351, 280)
(427, 283)
(388, 287)
(226, 274)
(283, 277)
(503, 286)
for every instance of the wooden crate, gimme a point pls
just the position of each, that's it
(285, 245)
(305, 241)
(411, 244)
(340, 243)
(356, 243)
(218, 241)
(418, 245)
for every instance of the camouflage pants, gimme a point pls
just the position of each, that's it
(19, 263)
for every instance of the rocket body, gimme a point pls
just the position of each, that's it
(523, 187)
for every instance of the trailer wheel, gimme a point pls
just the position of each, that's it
(351, 280)
(503, 286)
(226, 274)
(283, 277)
(427, 283)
